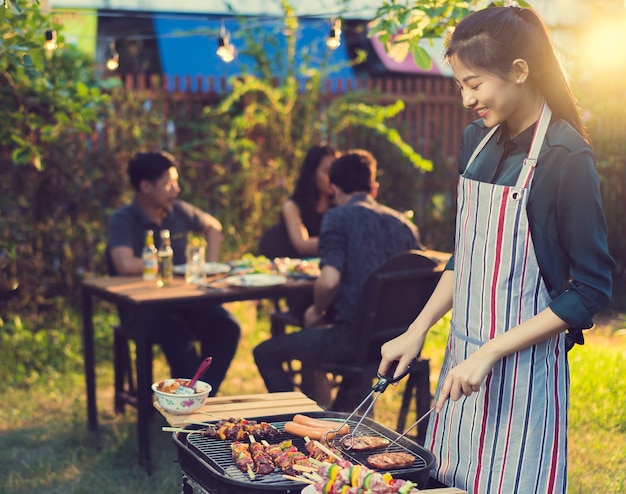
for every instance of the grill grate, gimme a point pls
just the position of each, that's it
(216, 454)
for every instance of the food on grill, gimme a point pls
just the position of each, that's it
(241, 430)
(347, 478)
(310, 431)
(323, 452)
(321, 423)
(364, 443)
(263, 462)
(390, 460)
(286, 455)
(241, 455)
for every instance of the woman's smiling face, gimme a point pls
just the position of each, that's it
(495, 99)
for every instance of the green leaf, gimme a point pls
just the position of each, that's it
(22, 156)
(421, 57)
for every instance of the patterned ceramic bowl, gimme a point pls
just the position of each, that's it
(180, 404)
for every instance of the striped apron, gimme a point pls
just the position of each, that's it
(510, 436)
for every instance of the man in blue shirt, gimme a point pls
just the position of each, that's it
(357, 236)
(156, 206)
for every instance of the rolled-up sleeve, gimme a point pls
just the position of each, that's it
(582, 236)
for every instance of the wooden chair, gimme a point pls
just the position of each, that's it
(391, 297)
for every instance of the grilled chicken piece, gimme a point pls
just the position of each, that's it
(390, 461)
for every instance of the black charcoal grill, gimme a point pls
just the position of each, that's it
(208, 462)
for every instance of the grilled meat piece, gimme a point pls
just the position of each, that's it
(319, 454)
(263, 462)
(241, 455)
(365, 443)
(390, 460)
(240, 430)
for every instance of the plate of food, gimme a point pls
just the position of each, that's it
(210, 268)
(256, 280)
(304, 268)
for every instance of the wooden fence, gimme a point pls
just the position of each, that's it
(432, 123)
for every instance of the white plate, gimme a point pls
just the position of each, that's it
(309, 489)
(209, 268)
(256, 280)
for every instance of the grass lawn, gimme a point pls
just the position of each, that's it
(45, 446)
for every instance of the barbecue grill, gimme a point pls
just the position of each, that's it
(208, 462)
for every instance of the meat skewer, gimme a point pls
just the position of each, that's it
(241, 429)
(243, 458)
(263, 462)
(348, 479)
(286, 456)
(322, 452)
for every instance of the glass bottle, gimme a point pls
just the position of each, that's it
(166, 259)
(150, 258)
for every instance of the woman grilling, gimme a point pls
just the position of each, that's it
(530, 262)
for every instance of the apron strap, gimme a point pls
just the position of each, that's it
(481, 145)
(525, 177)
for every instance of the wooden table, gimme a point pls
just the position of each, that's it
(139, 295)
(247, 406)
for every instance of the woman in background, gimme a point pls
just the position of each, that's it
(530, 262)
(296, 235)
(302, 213)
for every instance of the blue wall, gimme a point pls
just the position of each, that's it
(187, 48)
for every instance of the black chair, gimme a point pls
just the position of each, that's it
(275, 243)
(391, 297)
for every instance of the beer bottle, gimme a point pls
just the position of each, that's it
(166, 259)
(150, 258)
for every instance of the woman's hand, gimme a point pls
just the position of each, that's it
(465, 379)
(403, 349)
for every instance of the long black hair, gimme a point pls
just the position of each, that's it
(306, 194)
(492, 38)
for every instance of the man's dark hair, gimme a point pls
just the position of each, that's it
(355, 171)
(149, 166)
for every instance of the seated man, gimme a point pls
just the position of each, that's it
(156, 206)
(356, 237)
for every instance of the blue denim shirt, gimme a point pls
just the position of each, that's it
(357, 237)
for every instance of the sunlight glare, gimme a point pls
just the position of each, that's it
(601, 46)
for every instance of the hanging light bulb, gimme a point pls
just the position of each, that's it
(113, 61)
(334, 37)
(50, 43)
(225, 49)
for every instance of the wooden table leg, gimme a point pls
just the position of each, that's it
(144, 394)
(90, 361)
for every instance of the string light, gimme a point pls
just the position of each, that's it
(334, 37)
(50, 43)
(225, 49)
(114, 60)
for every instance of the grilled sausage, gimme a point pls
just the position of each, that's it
(307, 431)
(321, 423)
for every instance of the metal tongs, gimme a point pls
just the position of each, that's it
(421, 419)
(382, 384)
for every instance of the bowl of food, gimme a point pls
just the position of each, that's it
(180, 404)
